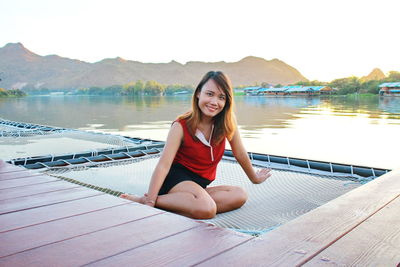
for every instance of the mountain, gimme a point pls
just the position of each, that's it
(375, 74)
(21, 68)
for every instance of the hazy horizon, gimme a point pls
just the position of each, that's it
(324, 40)
(178, 62)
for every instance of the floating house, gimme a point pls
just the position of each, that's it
(252, 90)
(301, 90)
(273, 91)
(389, 89)
(295, 90)
(323, 90)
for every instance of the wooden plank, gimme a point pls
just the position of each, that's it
(30, 190)
(46, 233)
(26, 181)
(376, 242)
(7, 167)
(51, 198)
(26, 218)
(301, 239)
(19, 174)
(91, 247)
(184, 249)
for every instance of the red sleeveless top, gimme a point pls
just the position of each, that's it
(198, 157)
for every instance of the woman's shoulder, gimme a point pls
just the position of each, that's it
(181, 121)
(178, 122)
(176, 126)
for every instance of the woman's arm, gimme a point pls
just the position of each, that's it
(174, 139)
(242, 157)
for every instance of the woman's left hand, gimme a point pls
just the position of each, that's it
(262, 175)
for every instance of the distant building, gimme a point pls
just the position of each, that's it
(238, 90)
(389, 89)
(251, 90)
(273, 91)
(296, 90)
(301, 91)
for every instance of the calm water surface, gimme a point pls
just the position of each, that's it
(353, 130)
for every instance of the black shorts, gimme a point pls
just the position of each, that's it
(178, 173)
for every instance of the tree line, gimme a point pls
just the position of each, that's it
(351, 85)
(11, 93)
(345, 86)
(137, 88)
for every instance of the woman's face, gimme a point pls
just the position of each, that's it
(211, 99)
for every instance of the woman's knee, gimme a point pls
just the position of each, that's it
(240, 196)
(204, 209)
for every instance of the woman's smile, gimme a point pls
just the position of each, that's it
(211, 108)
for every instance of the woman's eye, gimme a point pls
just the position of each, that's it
(222, 97)
(209, 93)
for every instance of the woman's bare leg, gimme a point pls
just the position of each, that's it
(131, 198)
(189, 199)
(227, 197)
(186, 198)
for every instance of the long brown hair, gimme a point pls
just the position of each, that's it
(224, 122)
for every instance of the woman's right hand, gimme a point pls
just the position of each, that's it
(262, 175)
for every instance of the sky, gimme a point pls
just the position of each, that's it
(323, 39)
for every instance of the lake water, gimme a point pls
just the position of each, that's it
(352, 130)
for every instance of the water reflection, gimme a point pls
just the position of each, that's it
(338, 129)
(256, 113)
(252, 112)
(390, 105)
(101, 112)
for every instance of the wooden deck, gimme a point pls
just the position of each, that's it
(48, 222)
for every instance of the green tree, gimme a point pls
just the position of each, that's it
(3, 92)
(16, 92)
(310, 83)
(112, 90)
(95, 90)
(346, 86)
(138, 88)
(371, 86)
(154, 88)
(265, 85)
(82, 91)
(128, 89)
(394, 76)
(11, 93)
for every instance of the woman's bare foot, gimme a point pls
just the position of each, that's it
(133, 198)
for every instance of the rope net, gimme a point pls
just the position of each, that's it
(22, 143)
(9, 128)
(283, 197)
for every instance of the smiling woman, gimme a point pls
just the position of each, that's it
(194, 147)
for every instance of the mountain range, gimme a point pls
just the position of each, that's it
(21, 68)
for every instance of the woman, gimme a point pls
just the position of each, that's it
(194, 147)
